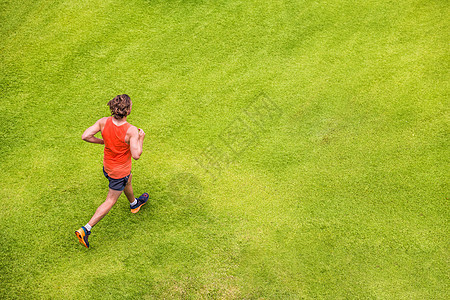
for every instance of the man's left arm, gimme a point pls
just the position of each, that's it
(89, 134)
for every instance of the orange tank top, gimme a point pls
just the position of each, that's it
(117, 154)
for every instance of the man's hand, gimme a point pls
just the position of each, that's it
(141, 134)
(136, 142)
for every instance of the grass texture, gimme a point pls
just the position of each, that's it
(337, 191)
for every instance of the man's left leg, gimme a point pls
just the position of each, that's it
(84, 232)
(105, 207)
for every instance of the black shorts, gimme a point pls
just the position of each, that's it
(117, 184)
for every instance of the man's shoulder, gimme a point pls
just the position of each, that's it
(132, 130)
(102, 122)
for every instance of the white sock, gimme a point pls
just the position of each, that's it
(134, 202)
(88, 227)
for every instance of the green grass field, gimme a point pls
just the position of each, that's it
(340, 194)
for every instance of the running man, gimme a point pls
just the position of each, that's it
(122, 141)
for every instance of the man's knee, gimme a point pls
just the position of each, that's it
(111, 200)
(129, 179)
(112, 197)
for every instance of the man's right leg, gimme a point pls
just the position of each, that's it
(135, 203)
(129, 190)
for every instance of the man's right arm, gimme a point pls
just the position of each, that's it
(136, 142)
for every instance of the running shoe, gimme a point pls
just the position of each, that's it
(140, 201)
(82, 235)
